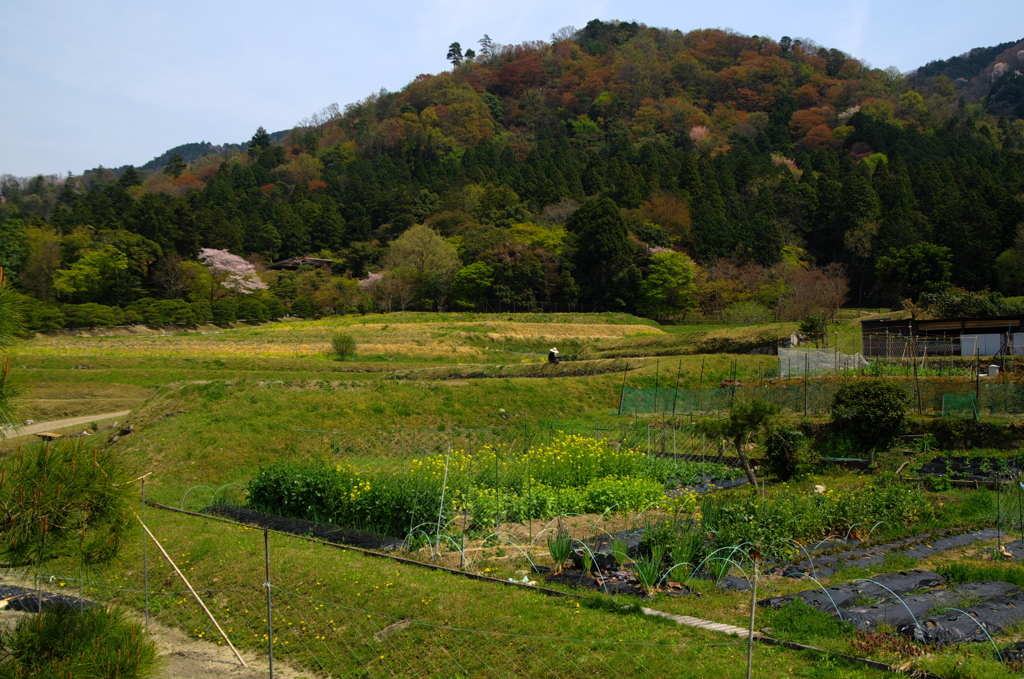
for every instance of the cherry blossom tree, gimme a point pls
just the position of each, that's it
(231, 272)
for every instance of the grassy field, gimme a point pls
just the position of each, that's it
(210, 408)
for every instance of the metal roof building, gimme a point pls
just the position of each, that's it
(997, 335)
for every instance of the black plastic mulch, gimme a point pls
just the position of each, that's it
(614, 582)
(848, 594)
(732, 583)
(1014, 653)
(901, 613)
(970, 468)
(949, 627)
(321, 531)
(706, 485)
(30, 600)
(916, 546)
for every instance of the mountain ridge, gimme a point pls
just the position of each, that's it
(970, 68)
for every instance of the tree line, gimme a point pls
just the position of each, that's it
(620, 166)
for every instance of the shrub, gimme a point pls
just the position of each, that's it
(174, 311)
(814, 327)
(875, 411)
(92, 315)
(275, 309)
(66, 642)
(747, 313)
(250, 309)
(788, 453)
(39, 316)
(202, 312)
(344, 345)
(304, 306)
(225, 311)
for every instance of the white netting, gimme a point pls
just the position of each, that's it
(794, 362)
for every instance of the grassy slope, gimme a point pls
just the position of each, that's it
(245, 391)
(330, 604)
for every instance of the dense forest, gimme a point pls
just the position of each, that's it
(617, 167)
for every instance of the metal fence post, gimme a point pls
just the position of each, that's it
(270, 608)
(675, 394)
(805, 384)
(145, 562)
(622, 394)
(440, 509)
(657, 375)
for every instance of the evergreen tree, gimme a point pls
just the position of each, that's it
(604, 250)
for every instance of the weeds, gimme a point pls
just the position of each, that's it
(797, 621)
(886, 643)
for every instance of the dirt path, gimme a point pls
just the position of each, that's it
(41, 427)
(185, 657)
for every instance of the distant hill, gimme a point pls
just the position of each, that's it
(195, 151)
(967, 65)
(188, 153)
(990, 76)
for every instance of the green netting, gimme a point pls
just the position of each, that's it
(814, 397)
(960, 406)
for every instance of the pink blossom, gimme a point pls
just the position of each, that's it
(370, 281)
(699, 132)
(233, 272)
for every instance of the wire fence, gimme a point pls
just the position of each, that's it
(309, 626)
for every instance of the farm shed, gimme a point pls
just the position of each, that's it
(995, 336)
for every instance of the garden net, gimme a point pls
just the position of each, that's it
(798, 362)
(814, 397)
(960, 406)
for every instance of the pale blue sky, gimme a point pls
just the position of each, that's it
(111, 82)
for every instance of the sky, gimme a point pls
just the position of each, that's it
(111, 82)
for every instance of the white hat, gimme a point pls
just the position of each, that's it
(553, 350)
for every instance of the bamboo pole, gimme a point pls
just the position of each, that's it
(189, 585)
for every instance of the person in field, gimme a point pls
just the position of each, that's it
(553, 356)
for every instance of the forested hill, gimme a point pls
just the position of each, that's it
(571, 170)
